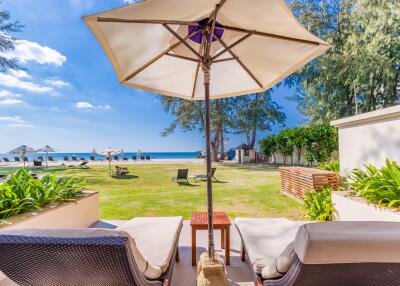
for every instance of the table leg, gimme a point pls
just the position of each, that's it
(194, 247)
(227, 246)
(243, 252)
(222, 238)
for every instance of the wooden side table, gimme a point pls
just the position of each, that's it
(199, 221)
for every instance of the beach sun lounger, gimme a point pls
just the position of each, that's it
(40, 158)
(125, 159)
(66, 158)
(51, 159)
(141, 252)
(204, 177)
(25, 159)
(147, 157)
(37, 163)
(6, 160)
(74, 158)
(116, 158)
(182, 175)
(92, 158)
(141, 157)
(134, 158)
(16, 159)
(283, 252)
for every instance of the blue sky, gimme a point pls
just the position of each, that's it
(68, 95)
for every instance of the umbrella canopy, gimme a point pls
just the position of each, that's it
(23, 149)
(204, 49)
(47, 149)
(109, 151)
(256, 45)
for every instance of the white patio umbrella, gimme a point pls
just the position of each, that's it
(231, 47)
(23, 150)
(108, 152)
(47, 149)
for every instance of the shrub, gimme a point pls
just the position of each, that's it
(21, 192)
(319, 205)
(333, 166)
(378, 186)
(269, 146)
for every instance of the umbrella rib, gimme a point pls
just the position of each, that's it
(223, 60)
(183, 57)
(233, 45)
(269, 35)
(149, 63)
(145, 21)
(183, 41)
(240, 62)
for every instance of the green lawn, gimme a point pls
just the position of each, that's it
(241, 190)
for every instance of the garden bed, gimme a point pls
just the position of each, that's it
(82, 212)
(350, 208)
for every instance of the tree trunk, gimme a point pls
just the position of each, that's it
(222, 146)
(298, 156)
(254, 130)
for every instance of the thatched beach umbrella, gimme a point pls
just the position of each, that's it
(108, 152)
(47, 149)
(23, 150)
(204, 49)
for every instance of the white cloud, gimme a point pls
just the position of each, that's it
(12, 119)
(26, 51)
(57, 83)
(6, 93)
(10, 101)
(20, 125)
(20, 74)
(15, 121)
(15, 82)
(84, 105)
(88, 106)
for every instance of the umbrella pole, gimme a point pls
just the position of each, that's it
(206, 70)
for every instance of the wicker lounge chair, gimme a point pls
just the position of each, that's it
(141, 252)
(116, 158)
(66, 158)
(51, 159)
(148, 157)
(74, 158)
(6, 160)
(285, 253)
(16, 159)
(134, 158)
(182, 175)
(37, 163)
(142, 158)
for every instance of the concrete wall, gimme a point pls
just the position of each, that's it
(81, 213)
(371, 137)
(357, 209)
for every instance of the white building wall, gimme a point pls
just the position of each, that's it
(371, 138)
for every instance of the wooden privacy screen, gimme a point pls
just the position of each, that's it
(296, 181)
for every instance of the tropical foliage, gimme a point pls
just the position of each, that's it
(7, 42)
(319, 205)
(378, 186)
(333, 166)
(245, 115)
(20, 192)
(361, 71)
(318, 142)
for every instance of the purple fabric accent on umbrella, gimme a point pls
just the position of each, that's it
(198, 37)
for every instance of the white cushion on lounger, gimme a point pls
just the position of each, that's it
(155, 237)
(348, 242)
(266, 239)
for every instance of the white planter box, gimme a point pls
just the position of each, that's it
(357, 209)
(81, 213)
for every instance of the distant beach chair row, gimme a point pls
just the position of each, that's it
(117, 158)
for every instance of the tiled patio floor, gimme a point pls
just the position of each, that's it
(239, 273)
